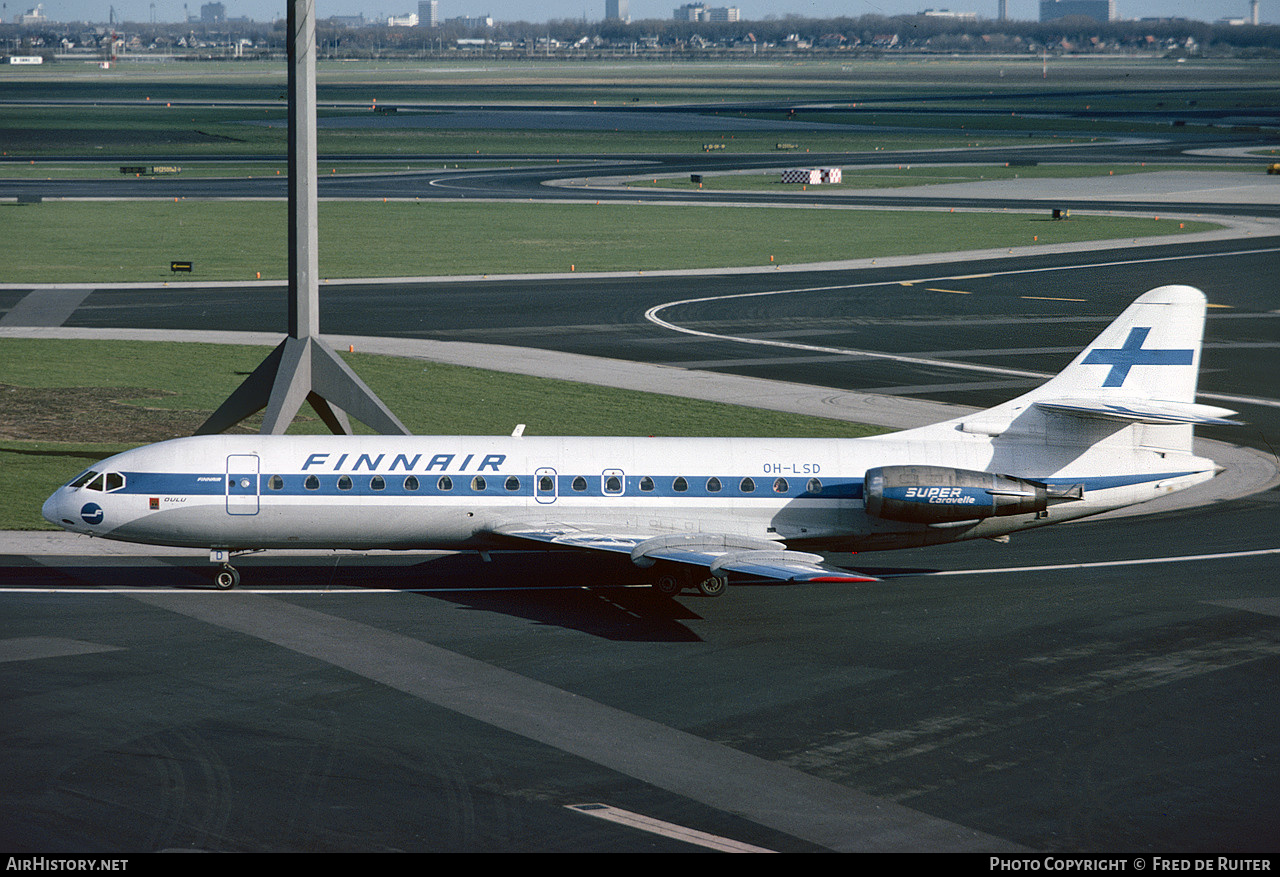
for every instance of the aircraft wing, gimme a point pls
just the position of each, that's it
(719, 553)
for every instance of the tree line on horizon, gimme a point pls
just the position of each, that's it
(864, 33)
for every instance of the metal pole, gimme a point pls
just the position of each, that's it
(302, 369)
(304, 248)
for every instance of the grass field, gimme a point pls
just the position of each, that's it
(67, 404)
(156, 130)
(136, 109)
(1098, 83)
(244, 240)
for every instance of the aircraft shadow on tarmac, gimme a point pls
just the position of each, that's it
(600, 596)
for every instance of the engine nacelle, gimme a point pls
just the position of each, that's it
(939, 495)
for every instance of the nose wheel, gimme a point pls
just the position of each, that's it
(227, 578)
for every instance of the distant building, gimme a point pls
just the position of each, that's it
(428, 13)
(31, 16)
(469, 22)
(213, 13)
(409, 20)
(1098, 10)
(947, 13)
(702, 12)
(616, 10)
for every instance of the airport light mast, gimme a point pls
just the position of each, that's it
(302, 368)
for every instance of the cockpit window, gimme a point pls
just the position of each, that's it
(83, 478)
(114, 480)
(95, 483)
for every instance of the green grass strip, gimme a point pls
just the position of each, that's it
(98, 242)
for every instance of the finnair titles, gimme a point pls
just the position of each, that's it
(1114, 428)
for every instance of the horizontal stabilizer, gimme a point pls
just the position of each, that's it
(1152, 411)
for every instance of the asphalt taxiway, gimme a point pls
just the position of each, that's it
(1106, 686)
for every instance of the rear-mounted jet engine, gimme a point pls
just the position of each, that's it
(940, 495)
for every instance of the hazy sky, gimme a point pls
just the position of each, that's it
(542, 10)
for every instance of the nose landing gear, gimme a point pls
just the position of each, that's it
(227, 578)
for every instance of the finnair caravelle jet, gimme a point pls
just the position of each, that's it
(1112, 429)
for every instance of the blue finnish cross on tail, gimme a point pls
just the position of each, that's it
(1132, 353)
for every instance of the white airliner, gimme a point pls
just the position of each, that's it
(1112, 429)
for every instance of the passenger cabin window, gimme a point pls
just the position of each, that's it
(747, 485)
(377, 483)
(814, 486)
(344, 482)
(713, 484)
(780, 485)
(546, 484)
(478, 484)
(445, 483)
(613, 484)
(275, 482)
(579, 483)
(513, 483)
(312, 483)
(646, 484)
(680, 485)
(411, 483)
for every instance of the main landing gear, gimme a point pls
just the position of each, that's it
(669, 582)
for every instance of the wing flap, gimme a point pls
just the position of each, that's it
(719, 553)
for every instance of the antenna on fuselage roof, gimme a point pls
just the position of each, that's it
(302, 369)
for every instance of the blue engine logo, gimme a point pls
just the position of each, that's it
(91, 513)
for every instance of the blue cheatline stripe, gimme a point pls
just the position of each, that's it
(214, 484)
(211, 484)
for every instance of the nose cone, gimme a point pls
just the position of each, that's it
(52, 508)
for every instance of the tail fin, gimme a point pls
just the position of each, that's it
(1143, 368)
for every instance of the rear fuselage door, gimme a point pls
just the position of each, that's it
(242, 484)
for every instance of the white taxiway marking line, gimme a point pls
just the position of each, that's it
(652, 316)
(666, 829)
(327, 592)
(1141, 561)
